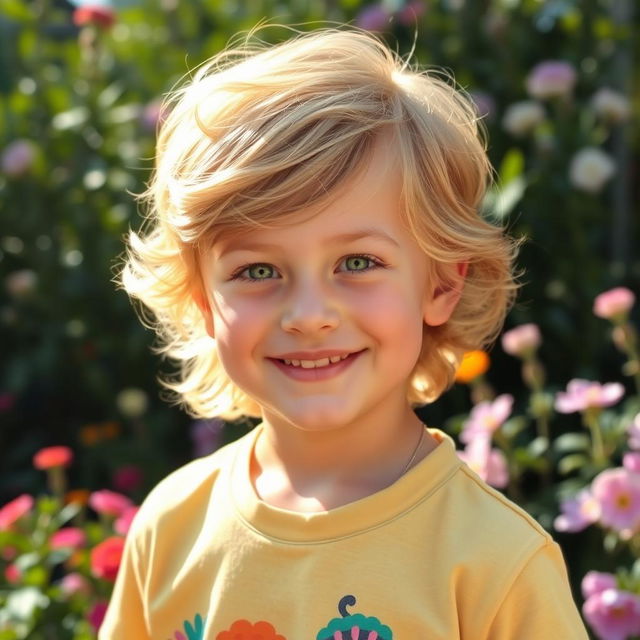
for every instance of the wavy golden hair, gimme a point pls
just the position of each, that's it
(260, 133)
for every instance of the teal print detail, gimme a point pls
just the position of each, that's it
(354, 626)
(194, 632)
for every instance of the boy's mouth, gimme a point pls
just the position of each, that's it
(318, 363)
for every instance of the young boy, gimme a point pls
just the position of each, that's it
(316, 259)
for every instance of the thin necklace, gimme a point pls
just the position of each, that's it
(415, 452)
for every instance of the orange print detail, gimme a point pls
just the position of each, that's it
(245, 630)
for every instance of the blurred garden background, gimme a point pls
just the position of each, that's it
(81, 84)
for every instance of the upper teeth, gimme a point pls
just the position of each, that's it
(310, 364)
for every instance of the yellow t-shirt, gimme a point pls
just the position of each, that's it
(438, 555)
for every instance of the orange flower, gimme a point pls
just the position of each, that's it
(77, 496)
(50, 457)
(90, 434)
(245, 630)
(474, 364)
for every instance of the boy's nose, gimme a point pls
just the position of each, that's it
(310, 309)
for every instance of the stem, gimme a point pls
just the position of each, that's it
(590, 420)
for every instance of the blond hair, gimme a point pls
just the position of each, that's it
(262, 132)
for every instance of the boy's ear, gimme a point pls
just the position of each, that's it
(205, 309)
(442, 299)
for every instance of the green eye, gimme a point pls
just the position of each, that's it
(357, 263)
(259, 271)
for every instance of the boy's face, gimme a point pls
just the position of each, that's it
(314, 291)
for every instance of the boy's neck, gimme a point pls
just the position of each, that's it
(310, 471)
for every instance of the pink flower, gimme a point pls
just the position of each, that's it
(596, 582)
(631, 461)
(14, 510)
(12, 574)
(97, 614)
(50, 457)
(373, 18)
(585, 394)
(578, 512)
(123, 523)
(618, 493)
(490, 464)
(410, 13)
(109, 502)
(75, 583)
(68, 538)
(486, 417)
(485, 104)
(633, 432)
(614, 614)
(106, 557)
(102, 16)
(614, 303)
(522, 340)
(18, 158)
(550, 79)
(128, 478)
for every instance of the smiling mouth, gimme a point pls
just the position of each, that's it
(315, 364)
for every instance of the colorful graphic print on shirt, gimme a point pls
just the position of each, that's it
(346, 627)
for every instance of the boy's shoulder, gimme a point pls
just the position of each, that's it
(191, 482)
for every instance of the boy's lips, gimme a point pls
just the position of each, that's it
(314, 355)
(316, 374)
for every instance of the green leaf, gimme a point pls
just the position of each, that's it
(511, 167)
(538, 446)
(610, 542)
(66, 513)
(572, 462)
(27, 560)
(571, 442)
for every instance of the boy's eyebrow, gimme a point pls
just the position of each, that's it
(351, 236)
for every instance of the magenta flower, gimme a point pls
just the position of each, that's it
(550, 79)
(68, 538)
(490, 464)
(578, 512)
(522, 340)
(618, 493)
(596, 582)
(127, 478)
(97, 613)
(613, 614)
(486, 418)
(109, 502)
(14, 510)
(614, 304)
(585, 394)
(633, 433)
(123, 522)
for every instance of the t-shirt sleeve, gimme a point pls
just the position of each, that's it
(125, 617)
(539, 603)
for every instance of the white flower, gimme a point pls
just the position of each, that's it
(132, 402)
(611, 105)
(590, 169)
(523, 117)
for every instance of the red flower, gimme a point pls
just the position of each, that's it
(14, 510)
(106, 558)
(102, 16)
(12, 574)
(123, 523)
(52, 457)
(109, 503)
